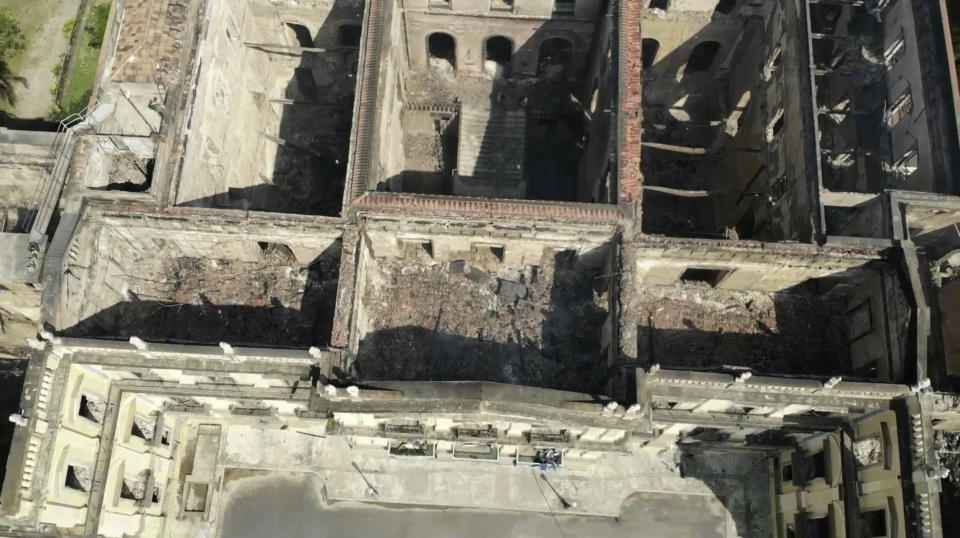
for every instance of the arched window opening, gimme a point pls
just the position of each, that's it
(659, 4)
(725, 7)
(701, 58)
(648, 52)
(555, 56)
(441, 48)
(498, 51)
(348, 35)
(304, 38)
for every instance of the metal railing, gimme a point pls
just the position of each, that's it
(48, 191)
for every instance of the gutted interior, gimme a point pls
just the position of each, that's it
(263, 288)
(513, 100)
(726, 105)
(484, 309)
(270, 121)
(713, 308)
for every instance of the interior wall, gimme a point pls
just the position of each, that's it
(735, 170)
(387, 146)
(230, 107)
(267, 128)
(897, 60)
(596, 164)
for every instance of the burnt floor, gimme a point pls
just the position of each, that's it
(275, 301)
(692, 325)
(535, 325)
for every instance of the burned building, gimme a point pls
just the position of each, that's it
(666, 267)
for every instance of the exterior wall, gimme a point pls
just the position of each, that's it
(880, 484)
(819, 497)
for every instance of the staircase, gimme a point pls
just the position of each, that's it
(491, 154)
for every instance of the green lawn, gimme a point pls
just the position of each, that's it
(80, 85)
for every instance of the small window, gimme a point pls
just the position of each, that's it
(873, 524)
(700, 274)
(817, 466)
(91, 408)
(132, 489)
(775, 126)
(348, 35)
(78, 478)
(895, 51)
(816, 528)
(501, 5)
(773, 64)
(165, 438)
(155, 496)
(564, 7)
(908, 163)
(702, 56)
(648, 52)
(786, 473)
(778, 126)
(901, 108)
(659, 4)
(725, 7)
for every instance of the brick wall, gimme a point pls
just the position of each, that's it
(631, 121)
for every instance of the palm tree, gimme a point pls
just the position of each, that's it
(7, 81)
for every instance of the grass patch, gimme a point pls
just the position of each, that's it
(79, 87)
(67, 30)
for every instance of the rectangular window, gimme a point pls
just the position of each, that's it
(817, 466)
(501, 5)
(895, 51)
(907, 164)
(564, 7)
(78, 478)
(699, 274)
(901, 108)
(873, 524)
(786, 473)
(91, 408)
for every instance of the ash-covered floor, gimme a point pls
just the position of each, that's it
(272, 301)
(692, 325)
(482, 320)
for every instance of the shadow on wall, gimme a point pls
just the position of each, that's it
(11, 385)
(833, 326)
(566, 355)
(273, 325)
(309, 170)
(722, 162)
